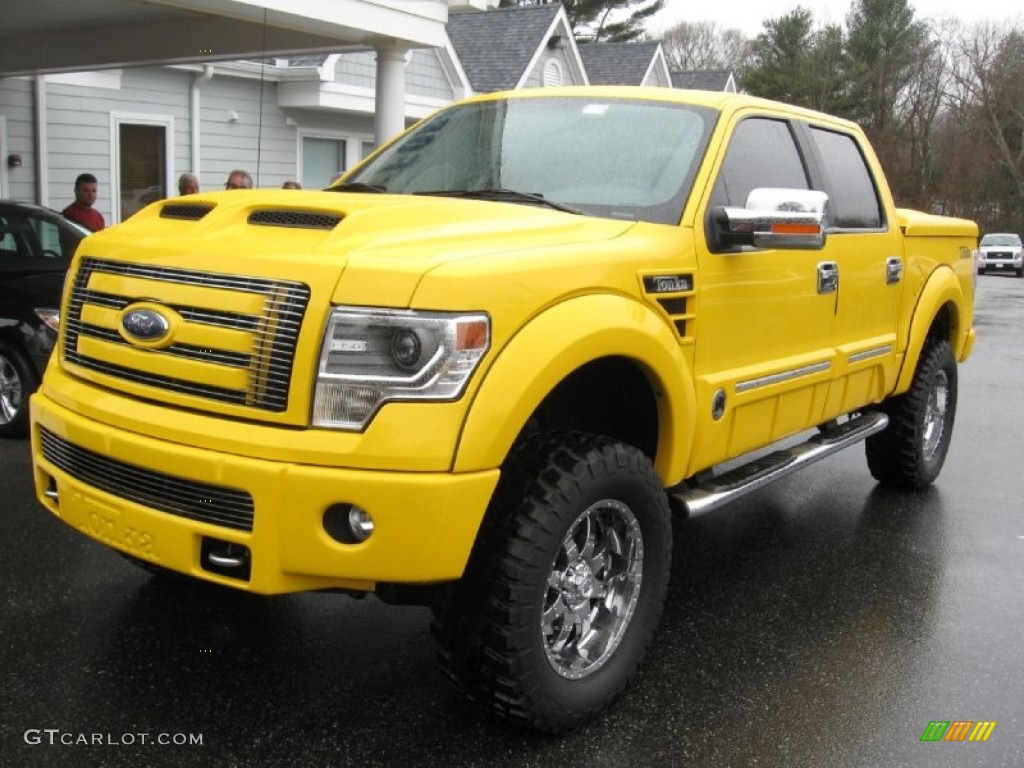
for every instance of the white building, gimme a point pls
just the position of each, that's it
(280, 116)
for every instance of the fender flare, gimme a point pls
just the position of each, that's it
(941, 288)
(558, 341)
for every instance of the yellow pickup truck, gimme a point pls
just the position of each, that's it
(486, 367)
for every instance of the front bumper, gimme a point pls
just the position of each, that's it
(109, 483)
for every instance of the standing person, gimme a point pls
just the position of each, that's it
(81, 211)
(188, 184)
(291, 185)
(238, 179)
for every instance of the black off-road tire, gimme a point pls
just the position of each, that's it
(18, 380)
(910, 452)
(490, 627)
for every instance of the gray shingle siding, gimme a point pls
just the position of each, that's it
(357, 69)
(536, 76)
(424, 76)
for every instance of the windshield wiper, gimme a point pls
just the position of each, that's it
(502, 195)
(357, 186)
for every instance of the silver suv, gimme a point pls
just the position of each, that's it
(1001, 251)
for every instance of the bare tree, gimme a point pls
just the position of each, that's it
(989, 87)
(704, 45)
(919, 105)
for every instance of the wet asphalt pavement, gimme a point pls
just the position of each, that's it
(819, 622)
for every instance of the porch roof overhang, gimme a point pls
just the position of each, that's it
(49, 36)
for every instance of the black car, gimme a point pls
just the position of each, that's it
(36, 246)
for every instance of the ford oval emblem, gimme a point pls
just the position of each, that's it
(145, 325)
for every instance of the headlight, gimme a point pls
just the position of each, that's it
(371, 356)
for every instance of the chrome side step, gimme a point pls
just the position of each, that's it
(718, 491)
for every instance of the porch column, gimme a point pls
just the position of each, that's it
(389, 117)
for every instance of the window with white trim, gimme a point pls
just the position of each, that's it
(142, 159)
(322, 161)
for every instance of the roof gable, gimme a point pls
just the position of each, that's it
(497, 47)
(705, 80)
(618, 63)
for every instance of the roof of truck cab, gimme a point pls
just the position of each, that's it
(723, 101)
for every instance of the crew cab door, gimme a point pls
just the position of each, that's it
(867, 248)
(764, 353)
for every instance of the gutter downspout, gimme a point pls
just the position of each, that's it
(41, 147)
(198, 80)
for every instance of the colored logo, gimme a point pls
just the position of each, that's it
(958, 730)
(145, 325)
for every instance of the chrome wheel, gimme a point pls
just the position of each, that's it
(565, 586)
(910, 452)
(11, 391)
(592, 589)
(935, 415)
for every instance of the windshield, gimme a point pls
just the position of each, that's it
(1000, 240)
(605, 157)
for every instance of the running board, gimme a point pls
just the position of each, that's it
(718, 491)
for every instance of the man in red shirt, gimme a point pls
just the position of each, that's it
(81, 211)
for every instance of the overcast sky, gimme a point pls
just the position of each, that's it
(748, 15)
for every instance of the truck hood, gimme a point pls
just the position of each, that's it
(372, 248)
(218, 303)
(1008, 249)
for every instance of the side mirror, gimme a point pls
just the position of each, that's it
(775, 218)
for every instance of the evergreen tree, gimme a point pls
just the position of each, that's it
(884, 44)
(792, 61)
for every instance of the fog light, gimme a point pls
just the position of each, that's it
(360, 523)
(348, 523)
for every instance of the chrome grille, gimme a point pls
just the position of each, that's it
(274, 331)
(205, 502)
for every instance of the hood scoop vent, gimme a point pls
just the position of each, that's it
(296, 219)
(187, 211)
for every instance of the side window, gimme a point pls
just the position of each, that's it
(852, 193)
(8, 245)
(53, 243)
(14, 250)
(761, 153)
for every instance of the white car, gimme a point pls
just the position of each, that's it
(1001, 251)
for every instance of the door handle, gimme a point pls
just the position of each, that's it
(893, 270)
(828, 277)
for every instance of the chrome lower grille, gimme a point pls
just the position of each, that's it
(269, 324)
(208, 503)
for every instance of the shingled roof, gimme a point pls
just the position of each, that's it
(705, 80)
(618, 63)
(495, 49)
